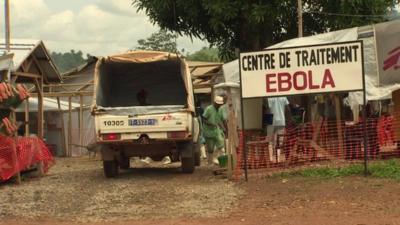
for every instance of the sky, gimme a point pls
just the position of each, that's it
(97, 27)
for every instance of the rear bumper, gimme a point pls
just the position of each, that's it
(131, 148)
(150, 142)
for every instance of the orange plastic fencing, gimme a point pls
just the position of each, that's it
(19, 153)
(319, 142)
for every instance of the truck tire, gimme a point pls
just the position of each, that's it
(110, 168)
(187, 157)
(125, 163)
(188, 164)
(197, 160)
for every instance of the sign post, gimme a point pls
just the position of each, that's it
(323, 68)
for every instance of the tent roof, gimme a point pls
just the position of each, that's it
(89, 62)
(199, 68)
(203, 75)
(24, 48)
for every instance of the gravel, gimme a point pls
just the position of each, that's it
(76, 190)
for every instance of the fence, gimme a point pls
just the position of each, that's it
(323, 142)
(19, 153)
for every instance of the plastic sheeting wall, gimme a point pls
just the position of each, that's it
(54, 136)
(88, 132)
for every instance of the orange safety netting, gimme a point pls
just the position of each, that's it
(322, 141)
(19, 153)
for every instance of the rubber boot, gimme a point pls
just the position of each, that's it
(215, 156)
(203, 152)
(210, 159)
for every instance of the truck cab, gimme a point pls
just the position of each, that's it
(144, 107)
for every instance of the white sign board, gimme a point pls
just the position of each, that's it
(302, 70)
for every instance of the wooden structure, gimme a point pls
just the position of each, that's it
(31, 65)
(77, 88)
(205, 75)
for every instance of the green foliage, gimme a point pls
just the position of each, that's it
(160, 41)
(252, 25)
(382, 169)
(205, 55)
(68, 60)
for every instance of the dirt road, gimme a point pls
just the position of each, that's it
(75, 191)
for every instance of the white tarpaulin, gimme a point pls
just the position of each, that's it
(387, 36)
(6, 62)
(49, 105)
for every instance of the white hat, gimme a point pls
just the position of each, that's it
(219, 100)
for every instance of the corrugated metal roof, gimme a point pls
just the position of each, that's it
(89, 62)
(200, 70)
(23, 48)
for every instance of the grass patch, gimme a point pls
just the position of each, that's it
(381, 169)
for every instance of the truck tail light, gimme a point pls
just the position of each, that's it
(111, 137)
(177, 134)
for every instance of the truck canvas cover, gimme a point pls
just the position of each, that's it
(164, 77)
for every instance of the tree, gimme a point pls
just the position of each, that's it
(255, 24)
(68, 60)
(160, 41)
(205, 54)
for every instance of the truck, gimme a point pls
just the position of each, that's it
(143, 106)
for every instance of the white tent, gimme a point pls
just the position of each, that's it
(375, 90)
(53, 125)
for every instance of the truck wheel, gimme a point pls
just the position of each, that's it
(110, 168)
(188, 157)
(188, 164)
(125, 163)
(197, 160)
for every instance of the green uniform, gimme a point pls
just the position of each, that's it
(213, 134)
(223, 112)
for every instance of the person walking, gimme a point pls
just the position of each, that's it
(213, 130)
(279, 108)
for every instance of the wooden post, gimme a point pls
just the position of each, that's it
(14, 148)
(69, 126)
(339, 125)
(27, 117)
(7, 21)
(40, 121)
(233, 138)
(39, 86)
(64, 142)
(80, 122)
(300, 17)
(15, 163)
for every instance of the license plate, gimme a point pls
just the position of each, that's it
(142, 122)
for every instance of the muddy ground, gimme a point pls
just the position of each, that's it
(75, 191)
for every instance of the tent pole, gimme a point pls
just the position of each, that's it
(64, 142)
(69, 126)
(339, 128)
(80, 122)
